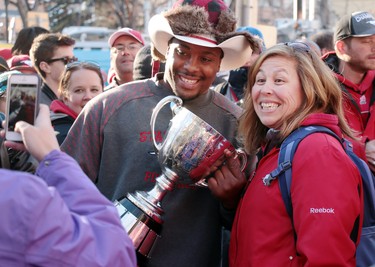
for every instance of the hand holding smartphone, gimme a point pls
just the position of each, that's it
(22, 102)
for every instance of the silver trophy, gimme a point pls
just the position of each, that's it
(191, 150)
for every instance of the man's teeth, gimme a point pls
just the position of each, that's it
(188, 81)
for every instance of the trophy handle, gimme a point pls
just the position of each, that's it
(169, 99)
(243, 159)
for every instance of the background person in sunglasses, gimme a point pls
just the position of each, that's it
(74, 93)
(49, 53)
(290, 86)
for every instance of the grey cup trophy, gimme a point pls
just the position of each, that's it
(187, 155)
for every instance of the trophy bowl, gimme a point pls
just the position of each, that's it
(190, 151)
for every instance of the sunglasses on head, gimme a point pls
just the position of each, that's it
(299, 46)
(65, 60)
(75, 64)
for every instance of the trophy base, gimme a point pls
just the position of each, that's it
(142, 229)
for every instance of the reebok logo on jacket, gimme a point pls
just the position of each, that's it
(322, 210)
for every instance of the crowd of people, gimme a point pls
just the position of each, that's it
(92, 144)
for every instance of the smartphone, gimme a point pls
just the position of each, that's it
(21, 102)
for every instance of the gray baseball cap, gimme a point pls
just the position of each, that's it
(357, 24)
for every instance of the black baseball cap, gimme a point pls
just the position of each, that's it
(357, 24)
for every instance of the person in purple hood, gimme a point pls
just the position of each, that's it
(56, 217)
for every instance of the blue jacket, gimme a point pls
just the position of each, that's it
(59, 219)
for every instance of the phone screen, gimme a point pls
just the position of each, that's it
(22, 101)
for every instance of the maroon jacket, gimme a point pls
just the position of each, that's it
(361, 95)
(57, 106)
(326, 193)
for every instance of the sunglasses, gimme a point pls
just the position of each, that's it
(66, 60)
(76, 64)
(299, 46)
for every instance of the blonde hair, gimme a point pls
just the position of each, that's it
(322, 94)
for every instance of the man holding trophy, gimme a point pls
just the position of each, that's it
(113, 142)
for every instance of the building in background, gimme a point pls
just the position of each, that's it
(286, 20)
(279, 20)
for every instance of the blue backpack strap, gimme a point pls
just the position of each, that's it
(366, 246)
(368, 182)
(286, 154)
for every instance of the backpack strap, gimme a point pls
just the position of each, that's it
(372, 99)
(286, 154)
(350, 97)
(368, 182)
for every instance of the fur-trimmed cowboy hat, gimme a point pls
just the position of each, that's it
(192, 24)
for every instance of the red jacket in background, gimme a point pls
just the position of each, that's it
(370, 128)
(361, 94)
(6, 53)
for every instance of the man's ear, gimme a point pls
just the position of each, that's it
(44, 66)
(340, 47)
(156, 55)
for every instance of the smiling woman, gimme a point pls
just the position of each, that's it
(75, 92)
(277, 92)
(290, 87)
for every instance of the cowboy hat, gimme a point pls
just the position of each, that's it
(236, 49)
(192, 24)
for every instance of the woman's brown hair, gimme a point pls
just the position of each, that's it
(322, 94)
